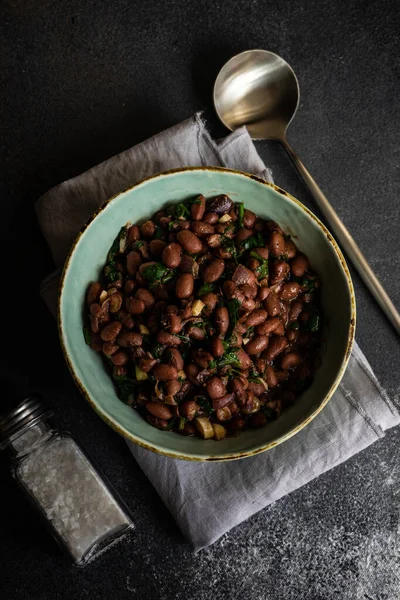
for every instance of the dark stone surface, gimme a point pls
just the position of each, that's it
(81, 81)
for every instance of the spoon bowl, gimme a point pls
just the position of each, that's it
(258, 89)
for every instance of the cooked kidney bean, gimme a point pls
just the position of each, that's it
(172, 255)
(165, 372)
(215, 388)
(110, 331)
(277, 244)
(257, 344)
(290, 291)
(221, 273)
(276, 346)
(127, 339)
(217, 347)
(197, 209)
(196, 333)
(256, 317)
(184, 285)
(133, 262)
(133, 235)
(146, 297)
(268, 326)
(279, 271)
(174, 358)
(202, 229)
(211, 217)
(263, 293)
(156, 247)
(167, 338)
(270, 376)
(272, 304)
(120, 358)
(290, 361)
(299, 265)
(210, 300)
(249, 218)
(214, 270)
(148, 229)
(244, 359)
(159, 410)
(189, 241)
(134, 306)
(174, 323)
(94, 293)
(222, 319)
(110, 348)
(243, 234)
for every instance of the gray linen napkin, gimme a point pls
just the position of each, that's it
(357, 415)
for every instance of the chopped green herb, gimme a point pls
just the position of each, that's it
(172, 423)
(212, 364)
(262, 271)
(254, 241)
(241, 213)
(293, 326)
(138, 244)
(87, 335)
(229, 245)
(125, 386)
(308, 283)
(196, 200)
(159, 233)
(313, 323)
(115, 246)
(182, 422)
(184, 338)
(229, 358)
(181, 211)
(157, 350)
(157, 273)
(204, 403)
(250, 332)
(205, 289)
(233, 308)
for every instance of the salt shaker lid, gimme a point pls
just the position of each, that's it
(28, 412)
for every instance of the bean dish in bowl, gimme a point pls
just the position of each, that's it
(208, 318)
(214, 307)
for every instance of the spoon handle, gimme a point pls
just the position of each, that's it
(348, 244)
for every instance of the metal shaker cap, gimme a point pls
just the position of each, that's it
(28, 412)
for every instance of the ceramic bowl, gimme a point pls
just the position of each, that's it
(88, 255)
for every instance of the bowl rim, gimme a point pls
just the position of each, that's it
(233, 455)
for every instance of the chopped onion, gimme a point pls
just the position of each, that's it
(204, 427)
(225, 218)
(143, 329)
(219, 431)
(197, 307)
(140, 375)
(103, 296)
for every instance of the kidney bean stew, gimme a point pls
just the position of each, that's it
(208, 318)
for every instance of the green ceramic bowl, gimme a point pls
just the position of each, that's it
(88, 255)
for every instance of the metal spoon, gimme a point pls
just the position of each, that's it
(259, 89)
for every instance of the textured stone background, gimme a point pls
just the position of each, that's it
(81, 81)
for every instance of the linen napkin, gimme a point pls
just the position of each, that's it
(229, 492)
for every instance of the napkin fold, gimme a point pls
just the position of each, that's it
(208, 499)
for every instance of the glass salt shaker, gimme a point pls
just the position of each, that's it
(81, 512)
